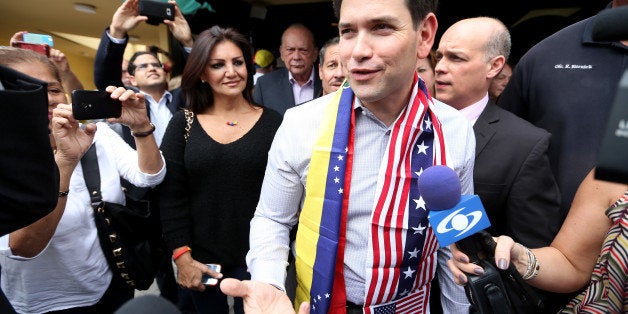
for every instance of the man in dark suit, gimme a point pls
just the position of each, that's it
(146, 71)
(512, 174)
(147, 75)
(298, 82)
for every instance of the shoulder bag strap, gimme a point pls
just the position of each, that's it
(91, 174)
(189, 119)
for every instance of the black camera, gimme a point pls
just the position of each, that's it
(94, 104)
(156, 11)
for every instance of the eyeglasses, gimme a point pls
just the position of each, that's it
(144, 66)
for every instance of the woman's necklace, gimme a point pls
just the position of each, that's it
(232, 123)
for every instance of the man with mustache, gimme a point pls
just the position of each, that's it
(329, 66)
(298, 81)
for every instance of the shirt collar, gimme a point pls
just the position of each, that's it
(167, 95)
(309, 81)
(473, 112)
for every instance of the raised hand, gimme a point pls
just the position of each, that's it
(260, 297)
(125, 19)
(180, 28)
(133, 108)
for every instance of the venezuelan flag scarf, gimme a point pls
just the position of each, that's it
(401, 248)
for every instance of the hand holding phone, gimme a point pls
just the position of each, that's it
(209, 280)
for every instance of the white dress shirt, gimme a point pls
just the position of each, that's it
(160, 115)
(302, 93)
(283, 193)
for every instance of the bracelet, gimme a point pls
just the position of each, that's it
(64, 193)
(180, 252)
(145, 133)
(533, 265)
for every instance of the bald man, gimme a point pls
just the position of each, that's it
(298, 81)
(512, 173)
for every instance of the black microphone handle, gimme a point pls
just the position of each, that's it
(474, 246)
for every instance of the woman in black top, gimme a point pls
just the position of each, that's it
(216, 168)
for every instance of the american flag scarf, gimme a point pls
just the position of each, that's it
(402, 249)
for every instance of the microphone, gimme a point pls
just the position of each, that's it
(611, 24)
(461, 219)
(454, 218)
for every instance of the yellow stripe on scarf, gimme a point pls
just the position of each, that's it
(310, 218)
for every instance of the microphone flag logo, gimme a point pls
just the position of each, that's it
(459, 222)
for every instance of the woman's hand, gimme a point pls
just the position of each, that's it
(71, 141)
(134, 113)
(505, 249)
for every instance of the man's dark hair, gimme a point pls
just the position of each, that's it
(418, 9)
(132, 66)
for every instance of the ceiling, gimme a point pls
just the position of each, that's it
(529, 20)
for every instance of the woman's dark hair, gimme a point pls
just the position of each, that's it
(198, 95)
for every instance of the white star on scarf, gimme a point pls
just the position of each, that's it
(340, 191)
(420, 203)
(336, 168)
(327, 295)
(422, 148)
(405, 291)
(340, 157)
(414, 253)
(336, 180)
(408, 273)
(428, 124)
(418, 173)
(418, 229)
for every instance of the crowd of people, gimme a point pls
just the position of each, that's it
(299, 177)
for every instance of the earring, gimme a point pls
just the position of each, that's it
(203, 81)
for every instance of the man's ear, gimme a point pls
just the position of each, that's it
(497, 64)
(132, 79)
(426, 33)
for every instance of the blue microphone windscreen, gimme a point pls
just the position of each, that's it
(440, 187)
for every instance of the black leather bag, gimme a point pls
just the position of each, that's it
(129, 235)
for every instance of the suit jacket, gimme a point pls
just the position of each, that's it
(108, 71)
(273, 90)
(513, 178)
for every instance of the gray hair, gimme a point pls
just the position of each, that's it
(330, 42)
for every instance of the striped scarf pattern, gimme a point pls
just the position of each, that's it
(402, 249)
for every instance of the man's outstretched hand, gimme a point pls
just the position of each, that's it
(260, 297)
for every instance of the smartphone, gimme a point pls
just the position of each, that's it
(94, 104)
(156, 11)
(209, 280)
(38, 39)
(43, 49)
